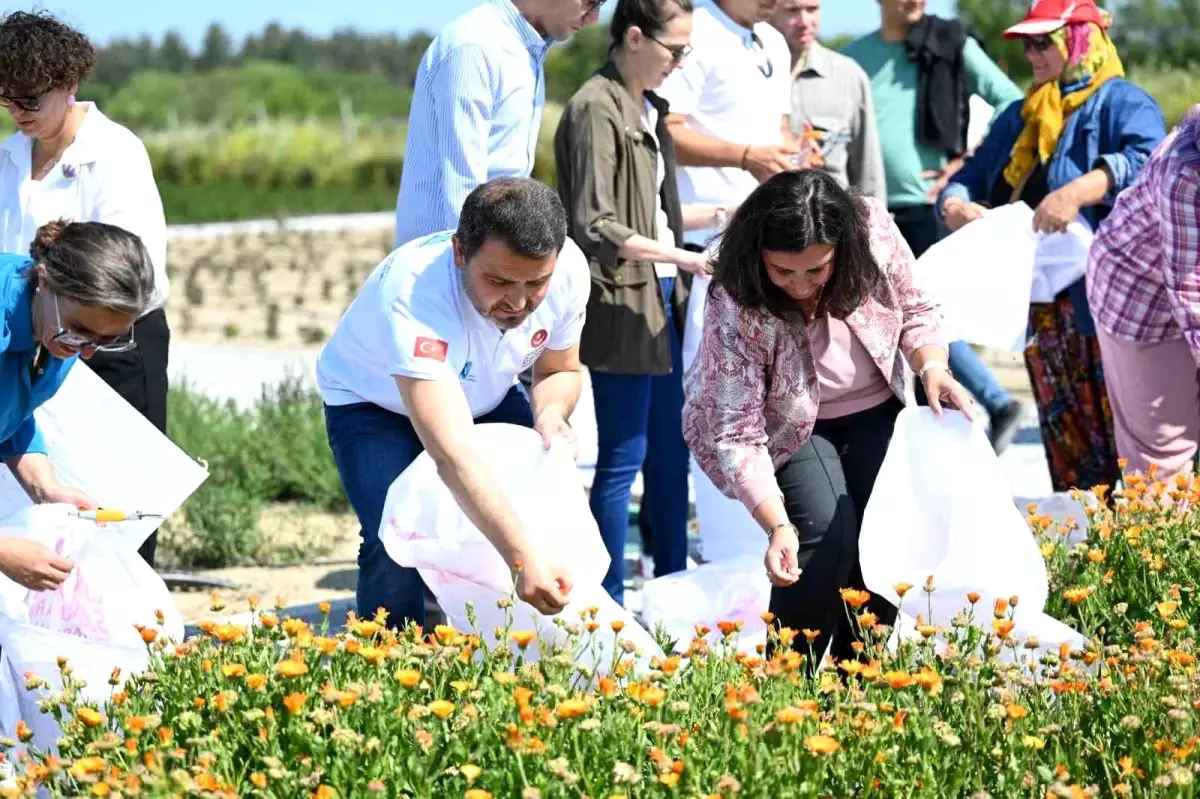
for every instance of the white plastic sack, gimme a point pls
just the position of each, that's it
(735, 590)
(101, 445)
(424, 528)
(941, 508)
(1060, 260)
(727, 530)
(90, 619)
(981, 276)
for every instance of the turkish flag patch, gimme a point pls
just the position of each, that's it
(539, 338)
(433, 348)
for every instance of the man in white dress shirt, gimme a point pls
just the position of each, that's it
(432, 345)
(477, 105)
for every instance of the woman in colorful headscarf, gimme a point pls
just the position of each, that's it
(1067, 150)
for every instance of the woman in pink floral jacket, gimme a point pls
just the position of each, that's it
(813, 322)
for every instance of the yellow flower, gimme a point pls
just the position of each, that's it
(902, 588)
(372, 655)
(477, 793)
(409, 678)
(1077, 595)
(228, 633)
(258, 779)
(1016, 711)
(897, 680)
(822, 744)
(571, 708)
(791, 715)
(255, 682)
(855, 598)
(1033, 742)
(1166, 609)
(291, 668)
(441, 708)
(233, 670)
(522, 638)
(89, 716)
(470, 771)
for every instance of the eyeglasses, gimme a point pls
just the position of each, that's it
(591, 5)
(678, 53)
(1038, 43)
(764, 61)
(79, 341)
(31, 104)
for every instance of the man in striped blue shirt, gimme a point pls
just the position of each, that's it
(477, 105)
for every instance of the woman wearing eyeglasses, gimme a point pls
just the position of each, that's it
(616, 176)
(1077, 140)
(68, 160)
(78, 294)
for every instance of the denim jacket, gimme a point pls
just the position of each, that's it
(1117, 127)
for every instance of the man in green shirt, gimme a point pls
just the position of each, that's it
(923, 70)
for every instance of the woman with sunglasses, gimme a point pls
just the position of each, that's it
(67, 160)
(79, 294)
(1077, 140)
(616, 176)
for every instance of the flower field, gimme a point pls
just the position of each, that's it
(281, 709)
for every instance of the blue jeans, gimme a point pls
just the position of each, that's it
(970, 370)
(371, 447)
(639, 425)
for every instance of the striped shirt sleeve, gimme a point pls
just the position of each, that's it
(1180, 224)
(463, 105)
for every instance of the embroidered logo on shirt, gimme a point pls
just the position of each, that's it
(432, 348)
(539, 338)
(465, 375)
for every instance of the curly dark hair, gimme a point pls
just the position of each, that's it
(39, 53)
(790, 213)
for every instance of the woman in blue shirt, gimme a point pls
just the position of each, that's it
(1069, 148)
(79, 293)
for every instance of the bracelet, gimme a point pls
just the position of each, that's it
(933, 365)
(745, 155)
(771, 532)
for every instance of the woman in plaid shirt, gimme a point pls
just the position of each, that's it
(1144, 284)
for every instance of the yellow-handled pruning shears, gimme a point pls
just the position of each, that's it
(109, 515)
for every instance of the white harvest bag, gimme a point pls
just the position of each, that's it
(941, 507)
(424, 528)
(90, 619)
(735, 590)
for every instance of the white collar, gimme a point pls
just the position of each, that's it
(746, 34)
(89, 141)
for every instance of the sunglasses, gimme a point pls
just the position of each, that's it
(81, 341)
(591, 5)
(764, 61)
(31, 104)
(678, 53)
(1039, 43)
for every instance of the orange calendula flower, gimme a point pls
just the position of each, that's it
(791, 715)
(149, 635)
(324, 608)
(1077, 595)
(729, 627)
(1167, 609)
(256, 682)
(258, 779)
(898, 680)
(868, 620)
(324, 792)
(822, 744)
(670, 665)
(811, 635)
(1016, 711)
(24, 733)
(607, 687)
(291, 668)
(294, 702)
(1003, 627)
(224, 700)
(929, 680)
(441, 708)
(571, 708)
(233, 670)
(228, 633)
(409, 678)
(89, 716)
(477, 793)
(902, 588)
(972, 597)
(855, 598)
(1000, 608)
(522, 638)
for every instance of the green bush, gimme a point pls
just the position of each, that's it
(229, 200)
(274, 452)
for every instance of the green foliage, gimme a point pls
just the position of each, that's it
(153, 100)
(988, 19)
(274, 452)
(569, 65)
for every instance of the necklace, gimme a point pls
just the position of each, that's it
(47, 167)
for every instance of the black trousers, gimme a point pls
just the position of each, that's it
(140, 377)
(826, 485)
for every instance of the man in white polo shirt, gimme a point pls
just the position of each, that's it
(730, 103)
(433, 344)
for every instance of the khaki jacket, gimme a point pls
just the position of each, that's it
(607, 178)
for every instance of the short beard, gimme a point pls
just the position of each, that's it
(471, 298)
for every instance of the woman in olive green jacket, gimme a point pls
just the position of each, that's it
(616, 176)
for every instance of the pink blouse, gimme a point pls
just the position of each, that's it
(752, 393)
(848, 379)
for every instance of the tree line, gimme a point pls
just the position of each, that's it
(290, 71)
